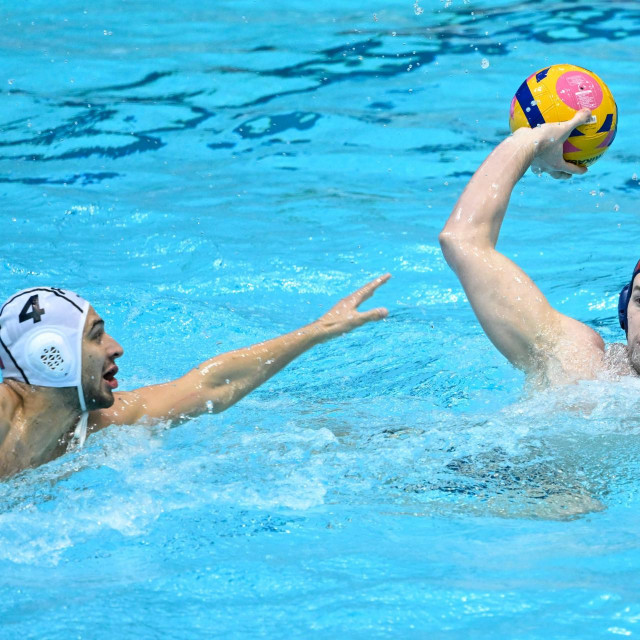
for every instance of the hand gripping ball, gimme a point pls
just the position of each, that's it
(554, 94)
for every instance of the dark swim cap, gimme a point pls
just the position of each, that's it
(625, 297)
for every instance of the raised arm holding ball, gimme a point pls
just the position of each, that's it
(513, 312)
(550, 347)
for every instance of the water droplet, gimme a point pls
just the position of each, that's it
(484, 63)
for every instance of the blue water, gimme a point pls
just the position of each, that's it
(211, 175)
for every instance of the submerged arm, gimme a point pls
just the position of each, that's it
(511, 309)
(220, 382)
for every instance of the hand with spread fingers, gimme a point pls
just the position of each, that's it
(221, 381)
(344, 316)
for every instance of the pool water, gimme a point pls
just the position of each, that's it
(210, 175)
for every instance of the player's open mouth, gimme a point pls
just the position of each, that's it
(110, 377)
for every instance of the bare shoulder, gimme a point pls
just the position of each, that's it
(579, 350)
(583, 335)
(125, 410)
(9, 402)
(568, 351)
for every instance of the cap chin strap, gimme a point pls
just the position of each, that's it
(80, 433)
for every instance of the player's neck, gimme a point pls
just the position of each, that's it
(57, 409)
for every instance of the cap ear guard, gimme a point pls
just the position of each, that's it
(625, 298)
(48, 352)
(623, 303)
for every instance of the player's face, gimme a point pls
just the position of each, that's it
(633, 320)
(99, 353)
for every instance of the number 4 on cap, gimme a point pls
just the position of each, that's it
(35, 313)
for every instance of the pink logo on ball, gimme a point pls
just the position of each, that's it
(579, 90)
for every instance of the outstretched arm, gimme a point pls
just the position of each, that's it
(220, 382)
(511, 309)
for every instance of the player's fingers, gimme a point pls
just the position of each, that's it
(574, 169)
(374, 315)
(580, 117)
(364, 293)
(559, 175)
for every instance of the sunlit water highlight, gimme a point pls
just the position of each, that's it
(213, 176)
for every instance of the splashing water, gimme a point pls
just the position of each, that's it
(448, 3)
(209, 187)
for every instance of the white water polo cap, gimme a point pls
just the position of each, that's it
(41, 338)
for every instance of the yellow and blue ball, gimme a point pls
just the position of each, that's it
(554, 94)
